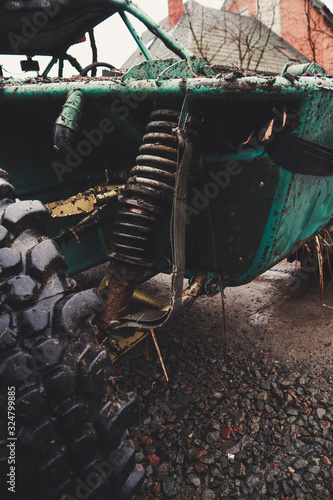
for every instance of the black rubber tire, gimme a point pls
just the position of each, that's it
(71, 424)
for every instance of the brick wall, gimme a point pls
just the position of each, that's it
(293, 28)
(176, 10)
(295, 31)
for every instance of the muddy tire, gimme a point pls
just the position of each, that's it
(70, 422)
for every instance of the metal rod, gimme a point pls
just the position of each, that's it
(208, 88)
(93, 50)
(149, 300)
(171, 43)
(136, 37)
(61, 67)
(190, 294)
(74, 62)
(50, 66)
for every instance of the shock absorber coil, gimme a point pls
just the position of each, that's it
(146, 204)
(147, 196)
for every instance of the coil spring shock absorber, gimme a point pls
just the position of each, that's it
(146, 203)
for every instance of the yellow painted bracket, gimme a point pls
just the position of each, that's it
(125, 344)
(84, 203)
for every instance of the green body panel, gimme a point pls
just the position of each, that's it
(227, 214)
(301, 207)
(80, 255)
(169, 68)
(258, 217)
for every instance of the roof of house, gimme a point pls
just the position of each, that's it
(225, 39)
(325, 7)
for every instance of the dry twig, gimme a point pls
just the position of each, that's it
(224, 319)
(269, 303)
(159, 354)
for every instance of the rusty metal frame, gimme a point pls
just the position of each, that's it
(195, 290)
(84, 203)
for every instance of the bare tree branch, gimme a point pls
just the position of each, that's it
(250, 35)
(309, 25)
(199, 41)
(268, 36)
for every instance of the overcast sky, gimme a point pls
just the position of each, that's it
(114, 43)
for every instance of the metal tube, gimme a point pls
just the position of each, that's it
(50, 66)
(136, 37)
(71, 112)
(149, 300)
(190, 294)
(171, 43)
(208, 88)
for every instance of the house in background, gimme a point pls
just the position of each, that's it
(225, 39)
(307, 25)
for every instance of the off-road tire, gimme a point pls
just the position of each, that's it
(70, 422)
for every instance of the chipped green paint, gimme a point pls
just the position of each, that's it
(269, 221)
(302, 206)
(72, 111)
(168, 69)
(246, 88)
(252, 211)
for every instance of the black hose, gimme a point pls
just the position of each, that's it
(96, 65)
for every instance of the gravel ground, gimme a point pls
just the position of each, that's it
(256, 425)
(248, 427)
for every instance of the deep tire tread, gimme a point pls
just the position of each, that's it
(69, 420)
